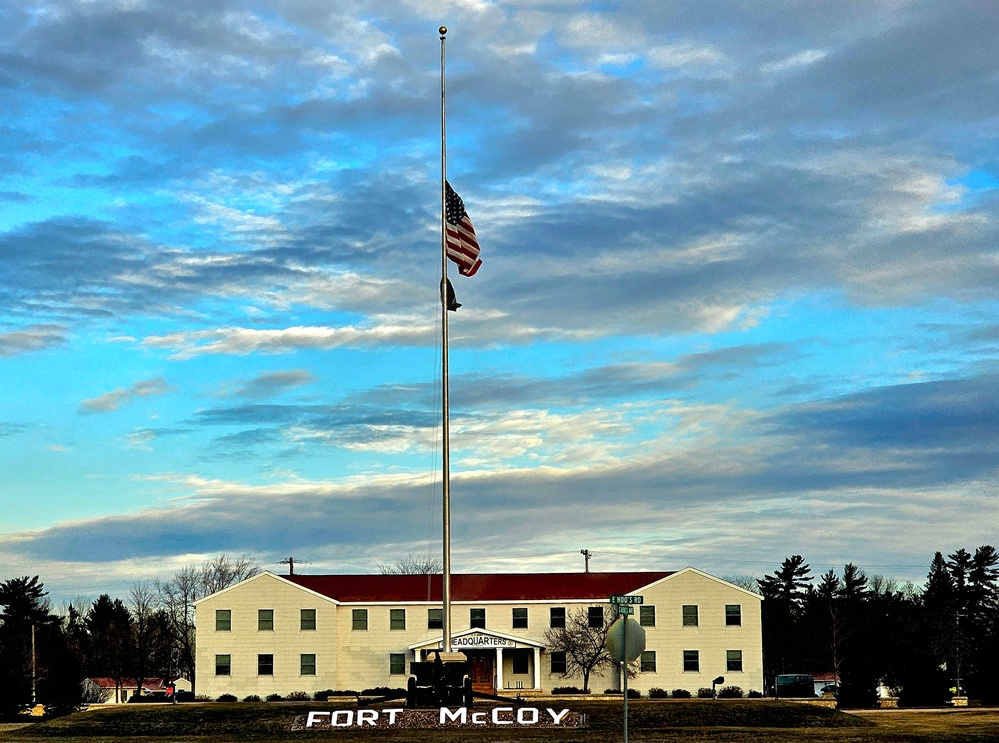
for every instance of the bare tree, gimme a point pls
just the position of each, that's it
(584, 645)
(421, 564)
(141, 603)
(749, 582)
(178, 595)
(223, 571)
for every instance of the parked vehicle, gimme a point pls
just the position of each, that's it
(795, 685)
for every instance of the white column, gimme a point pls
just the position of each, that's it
(499, 670)
(537, 668)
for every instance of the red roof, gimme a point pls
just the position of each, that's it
(484, 587)
(150, 684)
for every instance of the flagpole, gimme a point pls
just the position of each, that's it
(445, 429)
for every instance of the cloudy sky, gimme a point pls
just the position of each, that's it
(738, 298)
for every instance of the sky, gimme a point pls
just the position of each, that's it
(738, 298)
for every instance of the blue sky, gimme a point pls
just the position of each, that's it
(738, 298)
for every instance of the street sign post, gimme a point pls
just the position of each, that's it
(619, 599)
(625, 643)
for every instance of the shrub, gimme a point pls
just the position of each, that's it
(382, 691)
(753, 694)
(343, 693)
(226, 698)
(705, 692)
(298, 696)
(201, 698)
(320, 696)
(613, 691)
(251, 698)
(634, 694)
(730, 692)
(681, 694)
(275, 698)
(656, 693)
(569, 690)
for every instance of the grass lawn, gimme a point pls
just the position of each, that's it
(649, 721)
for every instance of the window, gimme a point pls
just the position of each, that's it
(308, 621)
(223, 665)
(649, 661)
(521, 661)
(557, 663)
(435, 619)
(265, 665)
(647, 616)
(733, 615)
(690, 615)
(595, 616)
(397, 664)
(265, 620)
(477, 618)
(557, 616)
(520, 618)
(397, 619)
(691, 661)
(359, 619)
(733, 660)
(223, 620)
(307, 664)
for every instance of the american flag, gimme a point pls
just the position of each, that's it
(462, 247)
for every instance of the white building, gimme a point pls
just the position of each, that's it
(278, 634)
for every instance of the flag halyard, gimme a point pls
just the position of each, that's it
(462, 245)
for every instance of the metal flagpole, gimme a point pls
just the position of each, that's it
(445, 430)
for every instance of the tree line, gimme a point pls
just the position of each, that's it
(924, 644)
(45, 654)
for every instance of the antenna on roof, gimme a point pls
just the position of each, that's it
(290, 562)
(586, 556)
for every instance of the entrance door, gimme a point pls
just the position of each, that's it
(480, 669)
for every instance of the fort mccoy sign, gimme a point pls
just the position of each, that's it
(445, 717)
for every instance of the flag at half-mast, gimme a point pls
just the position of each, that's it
(462, 247)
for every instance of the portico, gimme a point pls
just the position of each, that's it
(498, 662)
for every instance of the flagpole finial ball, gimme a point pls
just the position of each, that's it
(442, 30)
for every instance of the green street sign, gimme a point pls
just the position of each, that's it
(623, 610)
(619, 599)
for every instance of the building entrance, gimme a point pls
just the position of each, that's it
(480, 669)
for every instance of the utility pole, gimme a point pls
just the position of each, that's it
(586, 557)
(33, 667)
(290, 562)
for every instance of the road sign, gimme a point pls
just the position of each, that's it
(619, 599)
(623, 610)
(625, 640)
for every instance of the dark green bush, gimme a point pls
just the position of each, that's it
(275, 698)
(251, 698)
(730, 692)
(681, 694)
(226, 698)
(656, 693)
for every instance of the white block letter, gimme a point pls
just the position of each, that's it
(496, 713)
(314, 718)
(459, 715)
(557, 718)
(348, 716)
(527, 712)
(391, 714)
(367, 717)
